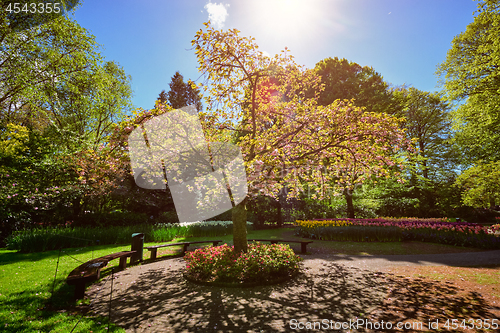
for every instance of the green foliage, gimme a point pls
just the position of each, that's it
(471, 73)
(50, 238)
(480, 185)
(471, 65)
(57, 114)
(36, 186)
(347, 80)
(13, 139)
(479, 240)
(427, 122)
(262, 210)
(72, 94)
(476, 126)
(171, 217)
(260, 264)
(45, 239)
(102, 219)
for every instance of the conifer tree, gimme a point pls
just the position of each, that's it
(181, 94)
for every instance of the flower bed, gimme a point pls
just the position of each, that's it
(494, 229)
(382, 229)
(215, 223)
(261, 264)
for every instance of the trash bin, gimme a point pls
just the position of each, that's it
(137, 245)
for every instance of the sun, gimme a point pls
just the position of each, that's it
(285, 19)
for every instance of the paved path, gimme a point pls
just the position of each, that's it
(381, 261)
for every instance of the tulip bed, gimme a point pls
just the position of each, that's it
(392, 230)
(494, 229)
(261, 264)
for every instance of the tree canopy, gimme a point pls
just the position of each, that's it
(472, 65)
(53, 77)
(427, 121)
(59, 104)
(481, 185)
(471, 75)
(346, 80)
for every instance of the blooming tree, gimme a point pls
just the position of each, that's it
(286, 138)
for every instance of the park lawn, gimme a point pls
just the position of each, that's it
(27, 279)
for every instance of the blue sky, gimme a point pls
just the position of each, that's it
(403, 40)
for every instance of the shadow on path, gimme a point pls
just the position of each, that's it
(448, 259)
(160, 300)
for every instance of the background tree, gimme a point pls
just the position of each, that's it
(472, 64)
(54, 73)
(287, 139)
(163, 97)
(476, 127)
(346, 80)
(434, 161)
(481, 185)
(471, 73)
(55, 87)
(427, 121)
(182, 93)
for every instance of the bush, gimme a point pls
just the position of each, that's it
(226, 216)
(262, 209)
(261, 264)
(111, 219)
(51, 238)
(167, 217)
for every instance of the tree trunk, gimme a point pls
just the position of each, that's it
(239, 213)
(280, 214)
(350, 206)
(77, 208)
(281, 202)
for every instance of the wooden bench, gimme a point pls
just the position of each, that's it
(303, 244)
(91, 271)
(154, 249)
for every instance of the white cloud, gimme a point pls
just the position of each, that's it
(217, 14)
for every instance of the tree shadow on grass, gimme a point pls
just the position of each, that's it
(160, 300)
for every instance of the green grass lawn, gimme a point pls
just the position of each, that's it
(26, 280)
